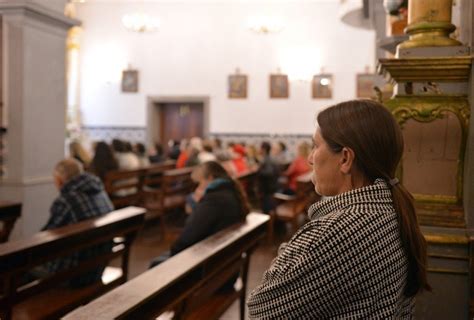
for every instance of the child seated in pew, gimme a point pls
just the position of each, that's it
(222, 204)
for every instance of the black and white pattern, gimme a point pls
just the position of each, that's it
(346, 263)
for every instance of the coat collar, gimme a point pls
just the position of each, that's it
(378, 192)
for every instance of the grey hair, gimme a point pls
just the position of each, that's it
(68, 169)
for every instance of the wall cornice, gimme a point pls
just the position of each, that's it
(38, 12)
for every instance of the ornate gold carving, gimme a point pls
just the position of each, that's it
(426, 109)
(441, 69)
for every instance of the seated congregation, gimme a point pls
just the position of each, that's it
(360, 255)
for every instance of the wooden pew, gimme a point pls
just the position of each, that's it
(47, 298)
(9, 213)
(175, 185)
(248, 180)
(187, 282)
(290, 207)
(124, 187)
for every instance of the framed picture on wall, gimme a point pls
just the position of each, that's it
(279, 86)
(322, 86)
(365, 85)
(130, 81)
(237, 86)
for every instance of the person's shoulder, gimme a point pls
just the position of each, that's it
(61, 203)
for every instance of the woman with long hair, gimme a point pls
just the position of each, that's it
(362, 255)
(103, 161)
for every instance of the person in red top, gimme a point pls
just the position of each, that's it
(239, 160)
(298, 167)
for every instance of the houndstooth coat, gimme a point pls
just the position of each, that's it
(346, 263)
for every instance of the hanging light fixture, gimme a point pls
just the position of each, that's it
(140, 22)
(265, 25)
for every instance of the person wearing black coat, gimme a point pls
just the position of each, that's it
(223, 203)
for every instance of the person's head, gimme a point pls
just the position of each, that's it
(77, 151)
(104, 160)
(140, 149)
(265, 148)
(350, 150)
(207, 146)
(66, 170)
(282, 146)
(275, 149)
(127, 146)
(212, 170)
(117, 145)
(196, 143)
(251, 151)
(357, 142)
(303, 149)
(217, 143)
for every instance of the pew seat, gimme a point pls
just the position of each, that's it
(47, 297)
(63, 298)
(175, 185)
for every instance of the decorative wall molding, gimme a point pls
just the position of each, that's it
(106, 133)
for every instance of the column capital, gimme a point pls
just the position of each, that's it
(37, 12)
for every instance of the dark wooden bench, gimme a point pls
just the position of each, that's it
(291, 207)
(186, 283)
(175, 185)
(124, 187)
(248, 179)
(48, 297)
(9, 213)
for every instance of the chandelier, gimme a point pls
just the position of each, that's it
(265, 25)
(140, 22)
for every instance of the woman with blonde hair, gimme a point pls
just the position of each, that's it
(78, 152)
(362, 255)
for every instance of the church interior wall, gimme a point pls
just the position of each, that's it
(199, 44)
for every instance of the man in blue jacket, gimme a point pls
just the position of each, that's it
(82, 196)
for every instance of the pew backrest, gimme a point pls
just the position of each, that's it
(18, 258)
(172, 284)
(9, 213)
(124, 187)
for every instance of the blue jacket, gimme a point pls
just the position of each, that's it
(81, 198)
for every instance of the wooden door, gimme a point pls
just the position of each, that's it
(180, 121)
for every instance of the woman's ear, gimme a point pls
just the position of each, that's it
(347, 160)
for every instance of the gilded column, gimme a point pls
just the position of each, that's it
(429, 24)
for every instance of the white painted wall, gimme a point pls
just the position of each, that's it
(200, 44)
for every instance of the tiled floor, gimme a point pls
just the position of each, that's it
(149, 245)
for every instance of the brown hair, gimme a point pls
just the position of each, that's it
(371, 131)
(214, 169)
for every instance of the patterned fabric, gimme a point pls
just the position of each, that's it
(81, 198)
(346, 263)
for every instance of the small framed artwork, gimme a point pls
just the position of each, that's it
(130, 81)
(279, 86)
(365, 85)
(237, 86)
(322, 86)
